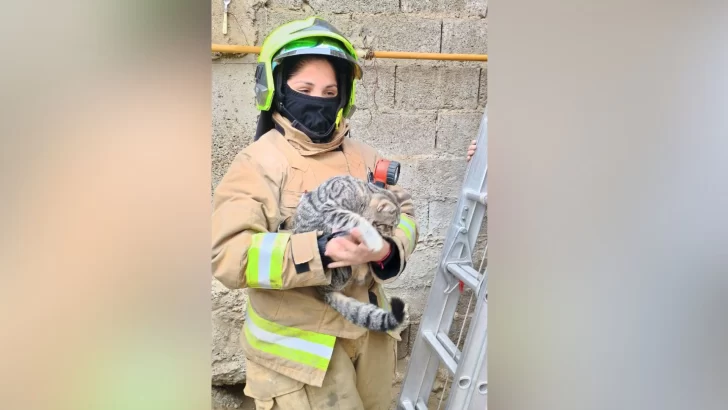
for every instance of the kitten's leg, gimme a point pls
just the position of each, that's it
(348, 220)
(373, 240)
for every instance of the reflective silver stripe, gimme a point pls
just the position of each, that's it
(264, 258)
(289, 342)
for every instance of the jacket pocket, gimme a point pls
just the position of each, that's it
(265, 385)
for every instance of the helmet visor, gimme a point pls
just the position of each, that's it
(317, 46)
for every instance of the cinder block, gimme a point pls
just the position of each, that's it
(483, 88)
(422, 211)
(376, 89)
(413, 294)
(455, 130)
(285, 4)
(234, 116)
(477, 8)
(440, 217)
(465, 36)
(355, 6)
(422, 265)
(439, 178)
(407, 180)
(418, 87)
(395, 134)
(422, 87)
(398, 33)
(267, 20)
(433, 6)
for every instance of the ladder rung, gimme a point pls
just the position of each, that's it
(465, 273)
(478, 197)
(407, 405)
(449, 345)
(440, 350)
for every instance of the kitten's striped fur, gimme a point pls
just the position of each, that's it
(340, 204)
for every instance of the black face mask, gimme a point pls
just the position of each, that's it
(314, 116)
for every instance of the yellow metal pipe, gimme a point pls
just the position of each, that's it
(233, 49)
(423, 56)
(230, 49)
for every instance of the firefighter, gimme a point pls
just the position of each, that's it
(300, 353)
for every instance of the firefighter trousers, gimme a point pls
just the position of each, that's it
(360, 377)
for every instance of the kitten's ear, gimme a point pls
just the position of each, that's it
(401, 195)
(386, 206)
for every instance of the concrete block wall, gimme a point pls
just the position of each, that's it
(421, 113)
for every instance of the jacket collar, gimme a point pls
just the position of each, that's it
(303, 144)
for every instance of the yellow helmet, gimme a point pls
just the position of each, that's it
(312, 36)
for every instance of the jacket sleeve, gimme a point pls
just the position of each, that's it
(247, 250)
(404, 240)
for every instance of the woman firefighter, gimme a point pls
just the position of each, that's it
(300, 353)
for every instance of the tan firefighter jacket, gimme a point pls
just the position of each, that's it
(288, 329)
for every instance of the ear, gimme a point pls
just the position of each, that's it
(386, 206)
(401, 195)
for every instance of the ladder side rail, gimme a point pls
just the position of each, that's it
(441, 305)
(469, 386)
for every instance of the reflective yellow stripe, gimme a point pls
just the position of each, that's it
(408, 226)
(300, 346)
(265, 260)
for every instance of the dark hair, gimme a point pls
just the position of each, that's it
(296, 63)
(292, 65)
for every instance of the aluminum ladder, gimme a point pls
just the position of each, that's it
(433, 346)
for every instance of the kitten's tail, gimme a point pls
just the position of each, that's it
(368, 315)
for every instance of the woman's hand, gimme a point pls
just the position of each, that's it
(350, 250)
(471, 150)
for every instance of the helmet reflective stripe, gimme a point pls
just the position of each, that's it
(301, 346)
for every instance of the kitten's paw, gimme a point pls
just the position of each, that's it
(401, 313)
(372, 239)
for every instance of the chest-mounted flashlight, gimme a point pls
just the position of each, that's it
(386, 172)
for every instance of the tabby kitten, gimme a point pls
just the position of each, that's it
(338, 205)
